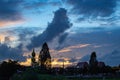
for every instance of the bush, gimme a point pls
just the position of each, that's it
(25, 76)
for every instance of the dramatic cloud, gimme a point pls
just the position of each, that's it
(19, 35)
(98, 31)
(7, 52)
(57, 27)
(93, 8)
(13, 42)
(10, 10)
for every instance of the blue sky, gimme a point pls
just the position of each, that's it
(92, 25)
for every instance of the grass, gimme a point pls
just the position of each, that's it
(94, 79)
(51, 77)
(31, 76)
(37, 77)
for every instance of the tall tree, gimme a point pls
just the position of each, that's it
(93, 63)
(44, 57)
(33, 61)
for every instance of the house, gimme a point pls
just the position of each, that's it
(82, 65)
(101, 64)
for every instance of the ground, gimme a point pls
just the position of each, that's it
(54, 77)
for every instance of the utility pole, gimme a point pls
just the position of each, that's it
(63, 64)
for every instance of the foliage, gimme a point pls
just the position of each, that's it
(44, 57)
(51, 77)
(25, 76)
(8, 68)
(30, 74)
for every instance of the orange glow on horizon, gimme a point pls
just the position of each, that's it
(10, 23)
(2, 38)
(60, 63)
(11, 38)
(54, 63)
(26, 63)
(70, 48)
(65, 50)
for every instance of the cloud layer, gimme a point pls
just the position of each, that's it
(7, 52)
(93, 8)
(10, 10)
(58, 26)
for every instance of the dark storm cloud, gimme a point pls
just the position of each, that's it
(59, 24)
(10, 10)
(93, 8)
(11, 53)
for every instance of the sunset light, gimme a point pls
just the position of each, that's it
(73, 39)
(54, 63)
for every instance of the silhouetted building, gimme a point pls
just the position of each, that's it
(82, 65)
(101, 64)
(93, 63)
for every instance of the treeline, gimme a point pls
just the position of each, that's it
(10, 68)
(94, 67)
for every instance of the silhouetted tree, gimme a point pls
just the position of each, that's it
(33, 60)
(108, 69)
(93, 63)
(44, 57)
(8, 68)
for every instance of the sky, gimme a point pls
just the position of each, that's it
(73, 29)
